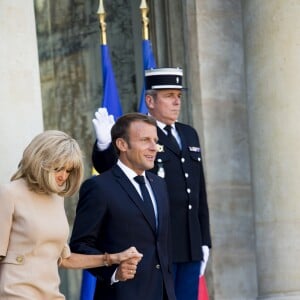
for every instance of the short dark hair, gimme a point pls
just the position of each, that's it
(121, 127)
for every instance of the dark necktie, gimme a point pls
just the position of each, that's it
(146, 198)
(171, 138)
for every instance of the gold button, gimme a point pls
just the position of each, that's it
(20, 259)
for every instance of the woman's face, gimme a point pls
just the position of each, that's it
(61, 175)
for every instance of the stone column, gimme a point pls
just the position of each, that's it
(216, 84)
(272, 53)
(20, 96)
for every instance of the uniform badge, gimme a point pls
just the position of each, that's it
(194, 149)
(161, 170)
(159, 148)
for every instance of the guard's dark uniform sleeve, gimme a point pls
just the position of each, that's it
(203, 211)
(104, 160)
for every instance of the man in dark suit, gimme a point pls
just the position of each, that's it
(180, 163)
(128, 206)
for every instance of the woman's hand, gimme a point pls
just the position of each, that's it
(85, 261)
(130, 253)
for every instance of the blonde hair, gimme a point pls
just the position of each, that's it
(48, 152)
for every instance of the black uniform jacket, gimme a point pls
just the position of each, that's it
(110, 218)
(184, 176)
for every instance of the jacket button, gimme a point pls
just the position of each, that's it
(186, 175)
(157, 266)
(19, 259)
(182, 159)
(190, 206)
(188, 190)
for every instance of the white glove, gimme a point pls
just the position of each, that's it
(103, 123)
(205, 251)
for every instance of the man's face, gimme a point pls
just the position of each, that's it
(140, 151)
(165, 106)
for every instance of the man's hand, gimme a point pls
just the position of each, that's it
(103, 123)
(127, 269)
(205, 251)
(129, 253)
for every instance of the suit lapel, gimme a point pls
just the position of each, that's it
(133, 194)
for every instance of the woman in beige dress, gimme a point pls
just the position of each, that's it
(34, 228)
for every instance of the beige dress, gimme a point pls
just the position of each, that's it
(33, 236)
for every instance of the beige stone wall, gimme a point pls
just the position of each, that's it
(20, 96)
(216, 61)
(272, 48)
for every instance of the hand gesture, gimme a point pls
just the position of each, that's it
(103, 123)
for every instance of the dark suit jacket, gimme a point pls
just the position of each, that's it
(184, 177)
(110, 218)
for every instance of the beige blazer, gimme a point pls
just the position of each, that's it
(33, 236)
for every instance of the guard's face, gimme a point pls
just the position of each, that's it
(139, 153)
(165, 106)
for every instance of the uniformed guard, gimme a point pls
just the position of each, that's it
(179, 162)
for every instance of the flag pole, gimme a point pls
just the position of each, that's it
(148, 57)
(111, 99)
(101, 14)
(145, 20)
